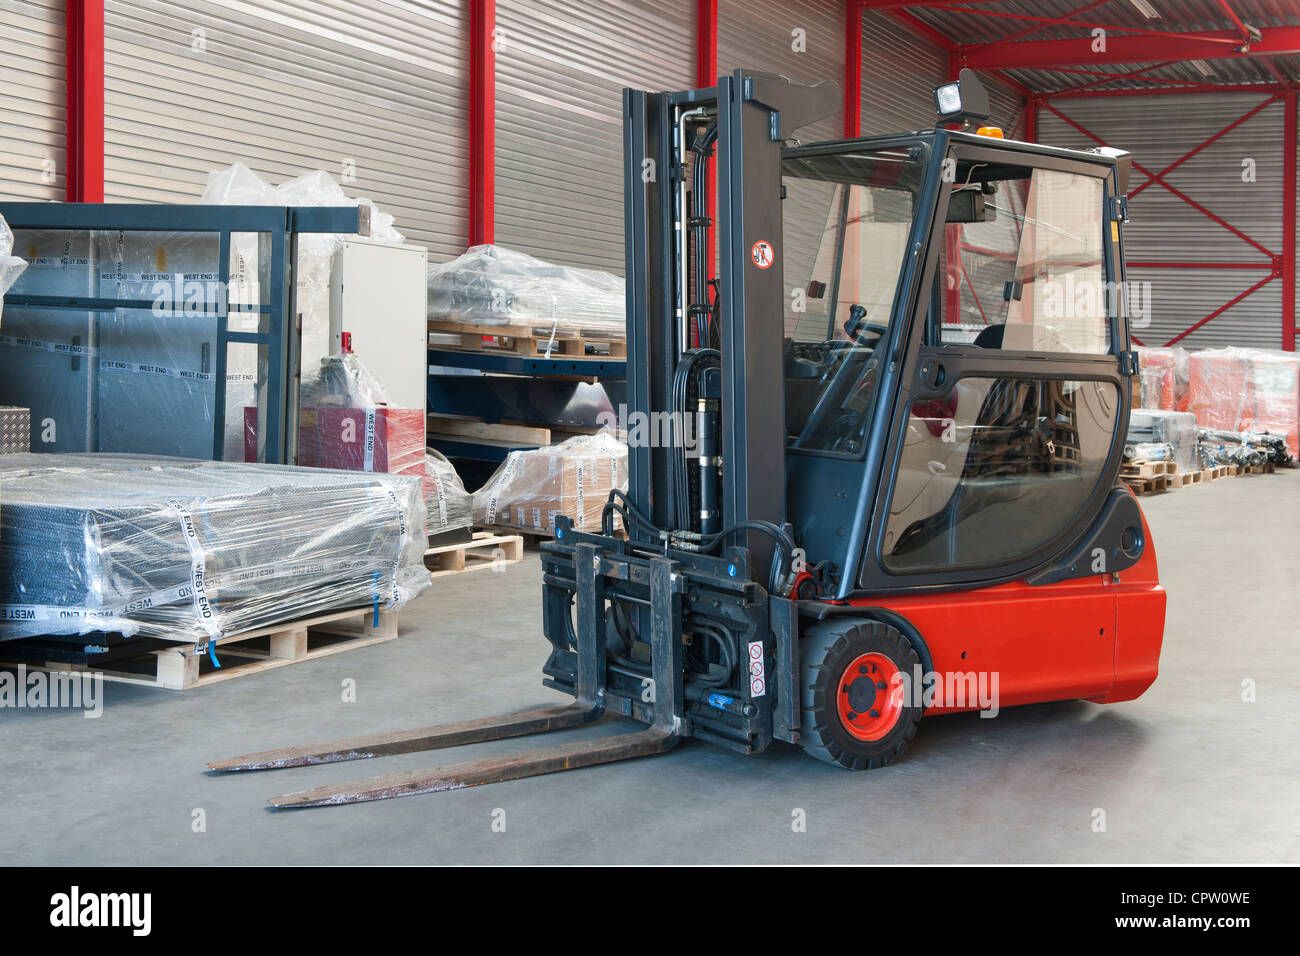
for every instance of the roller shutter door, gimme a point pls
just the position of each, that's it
(761, 35)
(32, 100)
(373, 91)
(899, 73)
(559, 126)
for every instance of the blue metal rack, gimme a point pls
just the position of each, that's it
(531, 389)
(282, 224)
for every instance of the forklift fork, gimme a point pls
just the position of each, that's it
(665, 693)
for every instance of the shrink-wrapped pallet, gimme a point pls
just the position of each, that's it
(1177, 430)
(489, 285)
(188, 550)
(573, 478)
(448, 504)
(1247, 390)
(1163, 372)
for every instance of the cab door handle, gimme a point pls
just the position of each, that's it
(933, 374)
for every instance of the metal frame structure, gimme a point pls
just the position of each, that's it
(1141, 51)
(281, 224)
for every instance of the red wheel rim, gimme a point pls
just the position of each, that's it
(869, 696)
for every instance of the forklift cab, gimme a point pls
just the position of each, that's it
(955, 351)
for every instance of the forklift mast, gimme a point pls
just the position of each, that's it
(754, 113)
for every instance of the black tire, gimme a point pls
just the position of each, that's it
(826, 650)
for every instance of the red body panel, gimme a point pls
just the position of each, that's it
(1096, 637)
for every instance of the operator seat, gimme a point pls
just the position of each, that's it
(990, 337)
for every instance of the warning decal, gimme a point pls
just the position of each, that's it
(762, 254)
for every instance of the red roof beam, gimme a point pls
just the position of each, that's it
(1052, 54)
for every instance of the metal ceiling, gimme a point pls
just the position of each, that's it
(977, 22)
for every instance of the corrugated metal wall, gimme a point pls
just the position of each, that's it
(899, 73)
(804, 41)
(376, 88)
(762, 35)
(559, 127)
(32, 100)
(1158, 130)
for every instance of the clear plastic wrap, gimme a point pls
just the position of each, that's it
(11, 266)
(489, 285)
(1247, 390)
(238, 185)
(1175, 429)
(573, 478)
(1221, 447)
(1164, 372)
(1149, 451)
(188, 550)
(448, 504)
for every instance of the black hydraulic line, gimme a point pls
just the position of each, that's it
(700, 222)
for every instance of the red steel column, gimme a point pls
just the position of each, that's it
(853, 70)
(84, 48)
(706, 75)
(1288, 219)
(482, 121)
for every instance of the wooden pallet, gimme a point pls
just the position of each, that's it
(486, 550)
(1147, 486)
(533, 340)
(1180, 479)
(1146, 469)
(1215, 473)
(240, 655)
(1267, 468)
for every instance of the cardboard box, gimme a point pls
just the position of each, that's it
(389, 440)
(532, 488)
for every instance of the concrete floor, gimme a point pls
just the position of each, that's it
(1187, 773)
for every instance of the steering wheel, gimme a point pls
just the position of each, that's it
(856, 324)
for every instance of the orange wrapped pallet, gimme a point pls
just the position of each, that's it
(1164, 378)
(1237, 389)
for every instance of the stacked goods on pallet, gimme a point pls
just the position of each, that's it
(493, 286)
(1242, 449)
(1163, 374)
(194, 551)
(573, 478)
(448, 504)
(1155, 435)
(1247, 390)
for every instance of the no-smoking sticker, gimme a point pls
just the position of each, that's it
(762, 254)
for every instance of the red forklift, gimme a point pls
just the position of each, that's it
(899, 398)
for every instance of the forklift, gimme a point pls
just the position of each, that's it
(900, 391)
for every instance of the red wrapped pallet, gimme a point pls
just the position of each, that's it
(1247, 390)
(1164, 378)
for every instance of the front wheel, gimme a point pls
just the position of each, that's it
(856, 709)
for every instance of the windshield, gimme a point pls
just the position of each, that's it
(846, 221)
